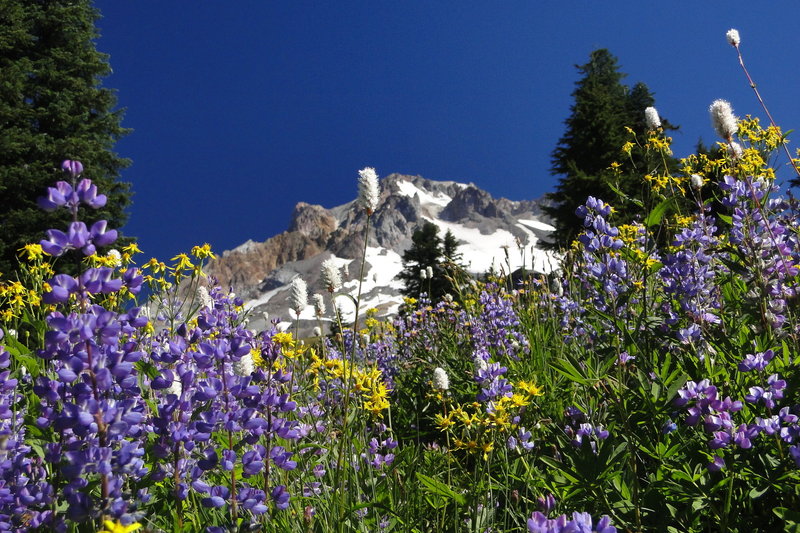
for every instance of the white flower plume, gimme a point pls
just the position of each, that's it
(204, 297)
(319, 305)
(733, 37)
(368, 189)
(723, 119)
(440, 379)
(652, 119)
(331, 276)
(244, 366)
(298, 296)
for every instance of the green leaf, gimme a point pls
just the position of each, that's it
(437, 487)
(624, 196)
(561, 467)
(570, 371)
(725, 218)
(657, 213)
(31, 363)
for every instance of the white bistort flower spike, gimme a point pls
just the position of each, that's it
(244, 366)
(652, 119)
(331, 276)
(175, 388)
(736, 150)
(298, 297)
(440, 379)
(368, 190)
(204, 298)
(319, 305)
(723, 119)
(696, 181)
(733, 37)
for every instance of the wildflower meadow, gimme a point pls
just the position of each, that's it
(650, 384)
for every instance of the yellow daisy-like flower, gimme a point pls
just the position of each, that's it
(530, 388)
(284, 339)
(444, 422)
(116, 527)
(32, 252)
(183, 262)
(131, 248)
(202, 252)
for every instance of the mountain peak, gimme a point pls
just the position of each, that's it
(492, 232)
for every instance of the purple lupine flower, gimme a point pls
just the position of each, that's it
(57, 196)
(717, 464)
(757, 361)
(580, 522)
(546, 504)
(280, 497)
(73, 168)
(61, 286)
(87, 193)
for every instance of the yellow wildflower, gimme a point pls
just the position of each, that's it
(530, 388)
(117, 527)
(184, 263)
(444, 422)
(32, 252)
(202, 252)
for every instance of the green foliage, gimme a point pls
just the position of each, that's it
(53, 107)
(595, 131)
(430, 252)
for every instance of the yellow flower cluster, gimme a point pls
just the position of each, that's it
(367, 384)
(660, 182)
(159, 275)
(768, 139)
(660, 144)
(476, 429)
(18, 298)
(752, 161)
(115, 526)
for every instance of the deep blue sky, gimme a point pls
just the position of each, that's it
(241, 109)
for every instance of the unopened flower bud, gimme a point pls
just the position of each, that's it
(73, 168)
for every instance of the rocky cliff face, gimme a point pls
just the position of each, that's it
(245, 267)
(261, 271)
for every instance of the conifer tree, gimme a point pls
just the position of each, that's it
(53, 107)
(595, 133)
(428, 251)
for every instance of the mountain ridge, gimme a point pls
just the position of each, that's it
(488, 229)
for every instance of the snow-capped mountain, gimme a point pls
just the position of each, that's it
(492, 233)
